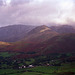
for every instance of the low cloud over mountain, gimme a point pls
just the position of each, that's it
(37, 12)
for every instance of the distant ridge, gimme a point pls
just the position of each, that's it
(14, 33)
(63, 29)
(39, 29)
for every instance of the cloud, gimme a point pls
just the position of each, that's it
(37, 12)
(19, 2)
(1, 2)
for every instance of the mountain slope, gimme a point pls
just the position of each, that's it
(63, 29)
(43, 41)
(64, 43)
(40, 34)
(14, 32)
(34, 37)
(4, 45)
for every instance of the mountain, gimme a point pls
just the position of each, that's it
(34, 37)
(14, 32)
(64, 43)
(42, 40)
(63, 29)
(59, 44)
(40, 34)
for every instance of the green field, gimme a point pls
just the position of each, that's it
(35, 73)
(44, 69)
(41, 70)
(7, 54)
(10, 72)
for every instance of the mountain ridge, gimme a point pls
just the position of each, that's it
(37, 43)
(63, 29)
(36, 34)
(14, 33)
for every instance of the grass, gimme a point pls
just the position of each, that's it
(30, 73)
(53, 70)
(30, 61)
(41, 70)
(7, 54)
(10, 72)
(35, 73)
(44, 69)
(67, 68)
(3, 71)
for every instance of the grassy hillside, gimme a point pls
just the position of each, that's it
(4, 45)
(33, 38)
(64, 43)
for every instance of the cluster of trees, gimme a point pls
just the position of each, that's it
(53, 59)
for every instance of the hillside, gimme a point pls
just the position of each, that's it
(40, 34)
(63, 29)
(34, 37)
(43, 41)
(4, 45)
(64, 43)
(60, 44)
(14, 33)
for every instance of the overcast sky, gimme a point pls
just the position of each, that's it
(37, 12)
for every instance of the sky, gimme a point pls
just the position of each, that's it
(37, 12)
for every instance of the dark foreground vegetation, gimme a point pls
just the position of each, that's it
(53, 64)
